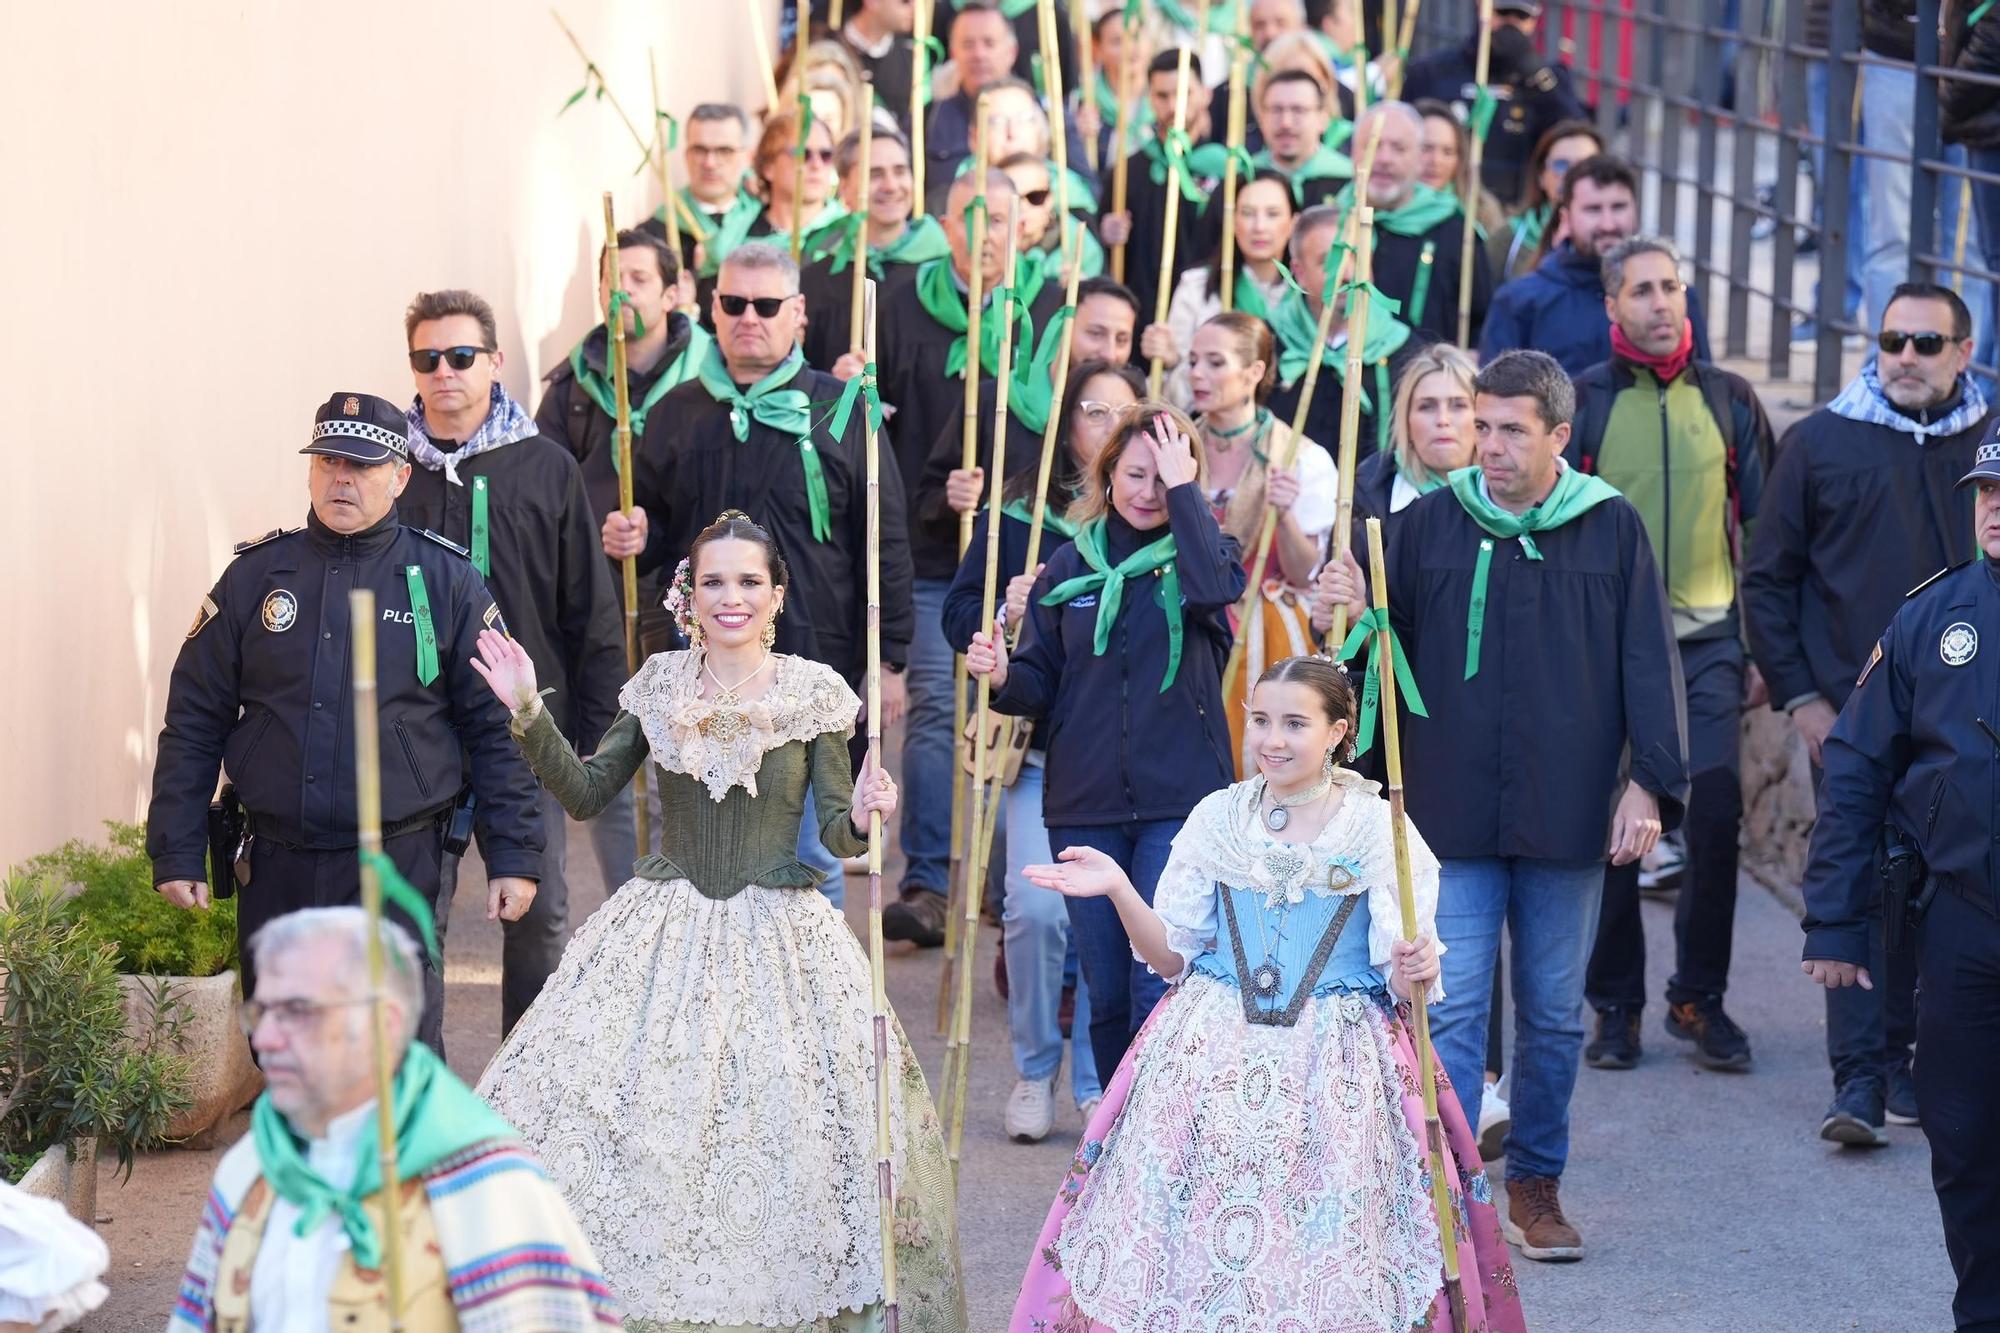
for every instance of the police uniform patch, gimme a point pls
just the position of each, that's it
(1869, 665)
(281, 609)
(1958, 643)
(494, 620)
(352, 407)
(202, 616)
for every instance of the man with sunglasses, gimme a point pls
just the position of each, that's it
(261, 688)
(1558, 308)
(1860, 508)
(514, 499)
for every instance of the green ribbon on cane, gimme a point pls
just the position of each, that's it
(482, 559)
(787, 411)
(1108, 581)
(591, 76)
(621, 300)
(1374, 621)
(1174, 152)
(861, 388)
(399, 892)
(420, 613)
(1485, 106)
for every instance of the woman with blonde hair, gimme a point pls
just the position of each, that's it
(833, 84)
(1430, 434)
(1120, 665)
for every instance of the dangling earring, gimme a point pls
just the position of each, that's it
(770, 633)
(1326, 769)
(694, 634)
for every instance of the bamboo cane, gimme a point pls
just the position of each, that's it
(645, 144)
(833, 16)
(1390, 27)
(1121, 165)
(1239, 67)
(665, 166)
(799, 176)
(762, 42)
(975, 880)
(878, 968)
(1469, 202)
(1170, 233)
(1052, 93)
(920, 60)
(622, 441)
(856, 302)
(368, 811)
(1080, 38)
(1402, 51)
(1399, 833)
(1350, 401)
(975, 282)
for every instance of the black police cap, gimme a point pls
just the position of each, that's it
(361, 427)
(1985, 463)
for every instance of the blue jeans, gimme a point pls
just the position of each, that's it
(1550, 911)
(1123, 990)
(927, 745)
(1036, 928)
(1857, 190)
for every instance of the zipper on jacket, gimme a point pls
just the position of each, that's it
(410, 754)
(1666, 498)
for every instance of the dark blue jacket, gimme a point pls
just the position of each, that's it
(1119, 749)
(1559, 309)
(1908, 751)
(965, 600)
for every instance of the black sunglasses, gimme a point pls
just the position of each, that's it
(767, 306)
(1928, 344)
(424, 360)
(1035, 198)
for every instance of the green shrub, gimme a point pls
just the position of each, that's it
(118, 906)
(69, 1064)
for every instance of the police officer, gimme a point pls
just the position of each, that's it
(262, 688)
(1912, 766)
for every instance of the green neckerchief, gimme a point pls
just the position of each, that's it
(1141, 121)
(1052, 519)
(1034, 268)
(598, 387)
(1574, 494)
(1325, 163)
(697, 212)
(436, 1116)
(1366, 634)
(731, 232)
(1009, 9)
(420, 616)
(482, 559)
(1529, 226)
(921, 242)
(823, 231)
(1292, 323)
(1031, 397)
(1090, 544)
(938, 293)
(1425, 487)
(1158, 155)
(1426, 209)
(787, 411)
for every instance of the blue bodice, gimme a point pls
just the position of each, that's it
(1290, 935)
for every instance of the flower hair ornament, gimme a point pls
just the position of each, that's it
(680, 603)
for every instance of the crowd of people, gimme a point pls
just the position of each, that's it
(1599, 555)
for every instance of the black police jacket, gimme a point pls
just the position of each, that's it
(1908, 751)
(1543, 99)
(263, 687)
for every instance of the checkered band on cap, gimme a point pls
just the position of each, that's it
(1988, 456)
(362, 430)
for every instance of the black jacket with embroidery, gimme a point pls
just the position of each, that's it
(263, 688)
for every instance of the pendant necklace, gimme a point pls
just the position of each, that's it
(725, 695)
(1280, 815)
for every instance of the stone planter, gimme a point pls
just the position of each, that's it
(67, 1173)
(225, 1077)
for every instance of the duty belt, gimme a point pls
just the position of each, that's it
(285, 834)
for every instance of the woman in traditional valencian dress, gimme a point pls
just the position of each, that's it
(698, 1075)
(1257, 1162)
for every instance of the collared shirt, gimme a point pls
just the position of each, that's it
(293, 1277)
(852, 36)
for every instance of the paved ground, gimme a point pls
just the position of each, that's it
(1707, 1200)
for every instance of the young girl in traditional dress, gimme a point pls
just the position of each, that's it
(1257, 1163)
(698, 1075)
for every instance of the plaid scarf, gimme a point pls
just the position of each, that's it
(1863, 400)
(506, 421)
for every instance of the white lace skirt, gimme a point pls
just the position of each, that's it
(698, 1078)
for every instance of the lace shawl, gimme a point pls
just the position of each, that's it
(1222, 842)
(723, 747)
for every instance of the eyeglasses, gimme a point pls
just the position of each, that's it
(1035, 198)
(424, 360)
(821, 156)
(292, 1015)
(1561, 165)
(1094, 412)
(767, 306)
(1892, 342)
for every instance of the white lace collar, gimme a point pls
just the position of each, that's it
(722, 747)
(1331, 865)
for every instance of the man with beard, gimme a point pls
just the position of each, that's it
(1293, 114)
(1533, 96)
(579, 411)
(1419, 231)
(1559, 308)
(486, 480)
(1861, 507)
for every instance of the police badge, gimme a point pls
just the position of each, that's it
(1958, 644)
(280, 610)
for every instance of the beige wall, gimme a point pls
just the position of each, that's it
(214, 215)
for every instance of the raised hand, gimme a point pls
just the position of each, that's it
(507, 670)
(1173, 452)
(1080, 872)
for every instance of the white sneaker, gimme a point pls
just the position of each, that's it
(1031, 1110)
(1494, 1122)
(1660, 870)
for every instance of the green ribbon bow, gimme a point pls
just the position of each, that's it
(620, 301)
(1375, 621)
(1324, 164)
(420, 614)
(401, 893)
(1211, 161)
(787, 411)
(482, 559)
(729, 233)
(436, 1117)
(1574, 494)
(941, 299)
(861, 388)
(1109, 583)
(1175, 152)
(1052, 518)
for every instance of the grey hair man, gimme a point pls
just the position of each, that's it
(1419, 231)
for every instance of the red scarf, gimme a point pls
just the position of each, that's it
(1665, 368)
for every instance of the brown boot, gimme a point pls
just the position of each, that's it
(1535, 1223)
